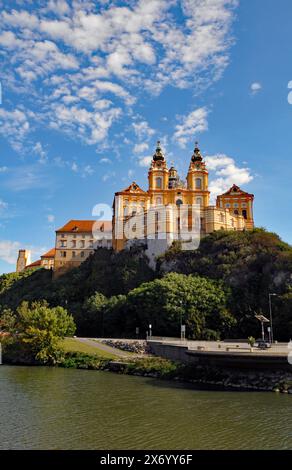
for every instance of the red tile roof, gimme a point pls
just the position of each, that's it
(49, 254)
(34, 264)
(82, 226)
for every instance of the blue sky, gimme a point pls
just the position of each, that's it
(88, 88)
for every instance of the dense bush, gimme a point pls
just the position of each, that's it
(37, 330)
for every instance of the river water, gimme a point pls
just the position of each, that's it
(47, 408)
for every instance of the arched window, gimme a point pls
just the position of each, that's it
(236, 212)
(244, 213)
(159, 183)
(198, 183)
(158, 201)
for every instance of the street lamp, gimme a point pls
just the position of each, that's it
(182, 327)
(150, 330)
(263, 320)
(271, 316)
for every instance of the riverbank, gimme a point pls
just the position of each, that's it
(208, 376)
(203, 375)
(160, 368)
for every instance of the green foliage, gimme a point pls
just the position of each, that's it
(79, 360)
(251, 341)
(91, 315)
(158, 366)
(39, 329)
(112, 293)
(164, 303)
(105, 271)
(252, 264)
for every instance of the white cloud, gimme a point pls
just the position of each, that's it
(58, 7)
(143, 130)
(87, 171)
(3, 169)
(40, 152)
(226, 173)
(26, 177)
(9, 251)
(105, 160)
(51, 218)
(3, 205)
(91, 126)
(14, 125)
(77, 54)
(190, 126)
(255, 87)
(145, 161)
(108, 176)
(140, 148)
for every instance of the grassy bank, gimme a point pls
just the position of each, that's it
(78, 355)
(206, 377)
(72, 345)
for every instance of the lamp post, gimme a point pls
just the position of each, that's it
(150, 330)
(271, 316)
(182, 327)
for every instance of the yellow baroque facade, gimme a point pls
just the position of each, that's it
(233, 209)
(170, 209)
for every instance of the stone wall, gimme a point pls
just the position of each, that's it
(230, 371)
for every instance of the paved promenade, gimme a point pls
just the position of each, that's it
(225, 346)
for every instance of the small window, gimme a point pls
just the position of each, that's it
(198, 183)
(73, 254)
(63, 254)
(227, 205)
(82, 254)
(244, 213)
(159, 183)
(236, 212)
(235, 204)
(158, 201)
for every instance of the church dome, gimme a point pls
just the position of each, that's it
(172, 172)
(197, 157)
(173, 178)
(158, 156)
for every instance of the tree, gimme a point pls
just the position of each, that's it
(115, 316)
(90, 320)
(195, 301)
(41, 328)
